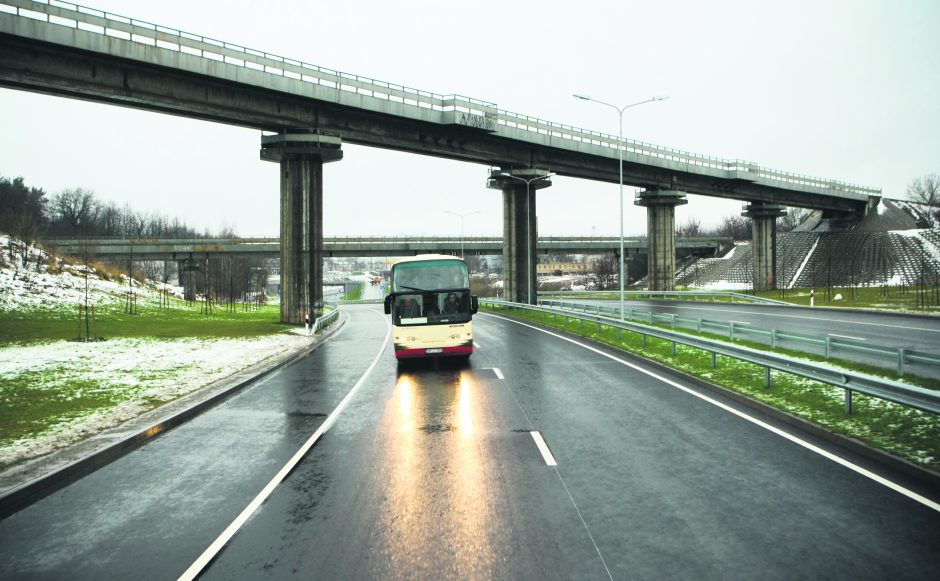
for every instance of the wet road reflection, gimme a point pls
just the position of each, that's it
(439, 507)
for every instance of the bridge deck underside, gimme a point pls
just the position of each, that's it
(39, 66)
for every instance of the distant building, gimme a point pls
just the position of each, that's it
(562, 268)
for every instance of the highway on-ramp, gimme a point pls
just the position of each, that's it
(446, 471)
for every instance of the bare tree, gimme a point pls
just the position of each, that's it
(87, 251)
(691, 227)
(606, 269)
(925, 190)
(473, 263)
(75, 209)
(26, 227)
(737, 227)
(109, 219)
(793, 218)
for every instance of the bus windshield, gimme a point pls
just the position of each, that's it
(430, 292)
(431, 308)
(430, 276)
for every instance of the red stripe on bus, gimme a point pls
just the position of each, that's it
(445, 351)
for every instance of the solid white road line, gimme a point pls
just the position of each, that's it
(543, 448)
(210, 553)
(498, 373)
(811, 447)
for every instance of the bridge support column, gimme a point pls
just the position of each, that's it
(301, 155)
(661, 236)
(764, 242)
(186, 274)
(520, 229)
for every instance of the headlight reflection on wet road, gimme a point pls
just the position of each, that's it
(439, 512)
(405, 390)
(465, 404)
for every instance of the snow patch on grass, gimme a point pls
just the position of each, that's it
(136, 373)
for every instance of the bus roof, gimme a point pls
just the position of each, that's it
(424, 257)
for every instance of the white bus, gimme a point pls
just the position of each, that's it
(431, 307)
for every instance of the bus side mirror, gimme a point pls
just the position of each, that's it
(388, 304)
(474, 305)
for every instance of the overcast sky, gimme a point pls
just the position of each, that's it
(848, 90)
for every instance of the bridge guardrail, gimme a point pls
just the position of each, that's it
(849, 381)
(481, 113)
(680, 294)
(828, 343)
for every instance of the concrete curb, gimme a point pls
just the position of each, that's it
(918, 473)
(63, 467)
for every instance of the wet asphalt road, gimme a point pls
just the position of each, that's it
(431, 472)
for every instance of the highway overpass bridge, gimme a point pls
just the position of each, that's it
(182, 249)
(77, 52)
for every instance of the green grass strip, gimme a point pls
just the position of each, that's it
(179, 320)
(35, 402)
(354, 294)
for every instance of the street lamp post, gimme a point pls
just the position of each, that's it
(620, 147)
(461, 216)
(528, 226)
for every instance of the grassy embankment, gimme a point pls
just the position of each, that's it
(178, 321)
(354, 294)
(902, 431)
(42, 400)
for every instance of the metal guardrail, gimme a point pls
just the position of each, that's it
(736, 330)
(675, 294)
(363, 302)
(446, 108)
(325, 320)
(849, 381)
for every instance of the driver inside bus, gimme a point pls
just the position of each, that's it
(408, 308)
(451, 304)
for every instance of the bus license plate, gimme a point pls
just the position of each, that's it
(437, 350)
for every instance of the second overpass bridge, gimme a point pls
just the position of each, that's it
(183, 248)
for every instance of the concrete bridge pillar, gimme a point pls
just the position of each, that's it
(764, 242)
(301, 155)
(186, 274)
(661, 235)
(520, 229)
